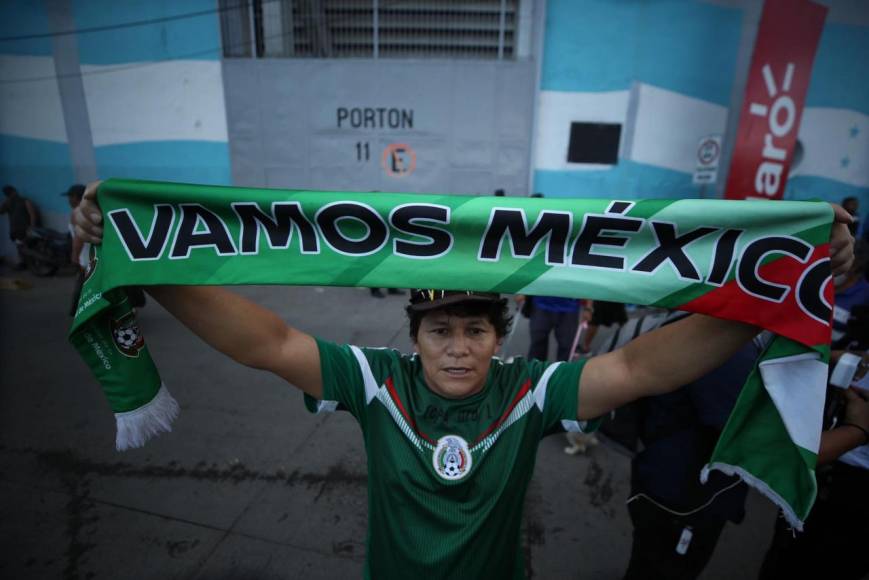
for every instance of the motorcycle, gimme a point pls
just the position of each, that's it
(44, 250)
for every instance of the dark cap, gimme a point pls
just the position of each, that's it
(76, 190)
(422, 299)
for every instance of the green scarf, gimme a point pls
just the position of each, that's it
(759, 262)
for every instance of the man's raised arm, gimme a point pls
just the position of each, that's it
(659, 362)
(246, 332)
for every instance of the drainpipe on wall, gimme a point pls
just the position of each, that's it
(538, 11)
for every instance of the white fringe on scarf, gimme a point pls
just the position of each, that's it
(136, 427)
(758, 484)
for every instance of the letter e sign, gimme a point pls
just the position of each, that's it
(399, 160)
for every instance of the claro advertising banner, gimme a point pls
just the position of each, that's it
(778, 79)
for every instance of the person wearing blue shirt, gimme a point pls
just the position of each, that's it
(550, 314)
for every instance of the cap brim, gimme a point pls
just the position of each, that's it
(452, 299)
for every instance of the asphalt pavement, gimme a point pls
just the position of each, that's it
(249, 485)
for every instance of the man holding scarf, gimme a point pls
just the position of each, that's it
(446, 490)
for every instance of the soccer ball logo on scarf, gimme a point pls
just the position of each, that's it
(452, 458)
(128, 340)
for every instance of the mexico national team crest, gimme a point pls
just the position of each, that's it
(452, 458)
(125, 331)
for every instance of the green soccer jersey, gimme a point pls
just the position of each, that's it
(447, 477)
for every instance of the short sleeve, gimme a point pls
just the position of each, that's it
(561, 399)
(343, 381)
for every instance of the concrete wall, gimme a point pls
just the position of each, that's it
(387, 125)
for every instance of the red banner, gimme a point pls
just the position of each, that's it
(778, 79)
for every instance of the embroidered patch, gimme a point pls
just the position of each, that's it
(452, 458)
(128, 339)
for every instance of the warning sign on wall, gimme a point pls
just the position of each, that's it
(708, 155)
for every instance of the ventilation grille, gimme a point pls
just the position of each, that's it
(484, 29)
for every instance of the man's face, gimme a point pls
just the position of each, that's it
(456, 352)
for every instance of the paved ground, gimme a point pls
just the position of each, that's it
(249, 485)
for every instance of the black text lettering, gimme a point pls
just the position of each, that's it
(747, 275)
(139, 248)
(511, 222)
(189, 235)
(810, 294)
(405, 218)
(278, 226)
(723, 256)
(593, 234)
(329, 217)
(671, 248)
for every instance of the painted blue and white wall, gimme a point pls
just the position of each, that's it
(834, 132)
(34, 152)
(665, 71)
(155, 92)
(150, 86)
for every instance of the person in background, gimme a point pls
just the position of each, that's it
(561, 316)
(852, 291)
(677, 521)
(22, 215)
(834, 538)
(836, 530)
(548, 315)
(600, 313)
